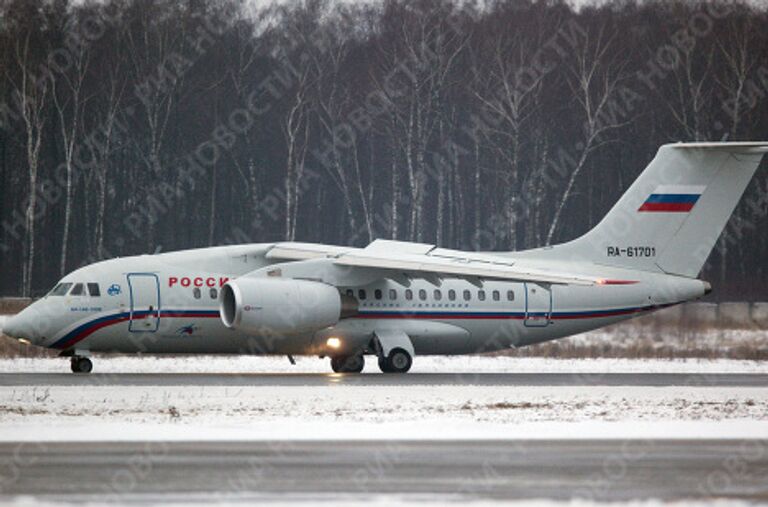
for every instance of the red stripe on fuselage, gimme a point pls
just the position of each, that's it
(85, 333)
(90, 330)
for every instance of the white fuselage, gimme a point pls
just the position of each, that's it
(169, 303)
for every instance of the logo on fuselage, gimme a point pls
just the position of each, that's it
(186, 330)
(114, 290)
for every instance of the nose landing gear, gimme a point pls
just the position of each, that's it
(80, 364)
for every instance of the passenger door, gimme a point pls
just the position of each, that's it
(144, 289)
(538, 305)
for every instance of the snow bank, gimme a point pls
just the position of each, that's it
(353, 411)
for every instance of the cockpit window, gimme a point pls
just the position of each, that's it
(61, 289)
(93, 290)
(77, 290)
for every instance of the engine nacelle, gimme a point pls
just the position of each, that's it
(279, 305)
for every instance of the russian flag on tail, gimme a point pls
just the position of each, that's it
(673, 199)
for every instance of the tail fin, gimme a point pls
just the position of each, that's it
(670, 218)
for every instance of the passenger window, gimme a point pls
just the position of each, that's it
(350, 293)
(196, 292)
(61, 289)
(467, 295)
(214, 293)
(481, 295)
(408, 294)
(77, 290)
(438, 295)
(361, 294)
(496, 295)
(392, 294)
(452, 295)
(510, 295)
(93, 290)
(422, 294)
(377, 293)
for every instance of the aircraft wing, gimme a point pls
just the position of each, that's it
(427, 260)
(294, 251)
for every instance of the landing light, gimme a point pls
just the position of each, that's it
(24, 341)
(333, 342)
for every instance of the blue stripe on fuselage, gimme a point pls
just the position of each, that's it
(84, 330)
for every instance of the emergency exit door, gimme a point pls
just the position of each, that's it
(144, 290)
(538, 305)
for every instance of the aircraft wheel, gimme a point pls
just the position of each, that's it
(383, 365)
(348, 364)
(398, 361)
(80, 365)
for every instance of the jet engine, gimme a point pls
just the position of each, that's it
(280, 306)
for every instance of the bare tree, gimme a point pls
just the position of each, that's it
(332, 99)
(68, 99)
(32, 95)
(509, 88)
(295, 128)
(110, 97)
(738, 53)
(594, 79)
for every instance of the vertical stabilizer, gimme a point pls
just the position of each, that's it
(671, 217)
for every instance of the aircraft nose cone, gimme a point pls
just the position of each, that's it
(10, 327)
(27, 325)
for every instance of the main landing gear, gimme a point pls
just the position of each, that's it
(348, 364)
(393, 349)
(80, 364)
(398, 361)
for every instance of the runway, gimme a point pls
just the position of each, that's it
(375, 379)
(247, 471)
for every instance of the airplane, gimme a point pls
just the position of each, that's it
(394, 300)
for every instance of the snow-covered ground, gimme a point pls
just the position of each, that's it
(631, 334)
(424, 500)
(108, 412)
(94, 411)
(422, 364)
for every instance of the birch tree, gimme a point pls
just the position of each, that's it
(594, 77)
(69, 102)
(32, 95)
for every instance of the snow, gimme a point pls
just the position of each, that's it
(628, 337)
(327, 412)
(425, 429)
(422, 364)
(418, 411)
(417, 500)
(377, 404)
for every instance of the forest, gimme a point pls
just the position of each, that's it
(141, 126)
